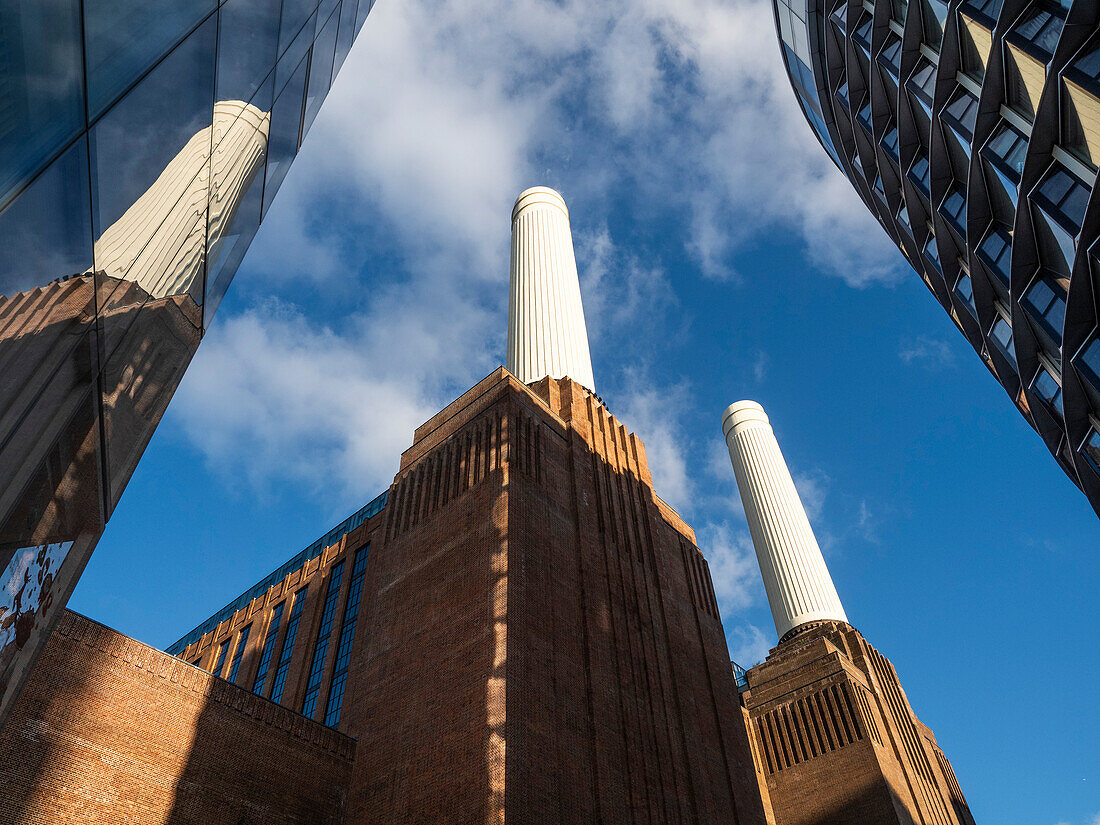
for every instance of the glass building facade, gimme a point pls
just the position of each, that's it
(971, 130)
(141, 144)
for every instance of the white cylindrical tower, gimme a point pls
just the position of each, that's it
(798, 583)
(546, 331)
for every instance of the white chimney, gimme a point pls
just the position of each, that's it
(798, 584)
(546, 331)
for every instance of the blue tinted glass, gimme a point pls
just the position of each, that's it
(46, 233)
(347, 32)
(235, 197)
(295, 14)
(1088, 362)
(361, 13)
(286, 121)
(320, 71)
(126, 37)
(41, 97)
(135, 142)
(290, 61)
(247, 36)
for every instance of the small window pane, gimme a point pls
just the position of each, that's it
(346, 34)
(126, 37)
(286, 122)
(320, 71)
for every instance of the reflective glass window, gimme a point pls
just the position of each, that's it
(1045, 302)
(1046, 386)
(128, 157)
(1064, 197)
(1001, 334)
(286, 123)
(996, 251)
(324, 633)
(932, 253)
(963, 111)
(1007, 149)
(1087, 66)
(320, 71)
(838, 17)
(903, 218)
(1090, 449)
(295, 15)
(362, 12)
(288, 644)
(1041, 26)
(41, 86)
(247, 36)
(842, 94)
(954, 208)
(879, 190)
(862, 34)
(934, 14)
(991, 9)
(347, 635)
(890, 142)
(922, 83)
(1087, 362)
(890, 56)
(223, 650)
(292, 58)
(918, 173)
(864, 118)
(268, 649)
(346, 34)
(898, 8)
(965, 290)
(125, 37)
(238, 654)
(46, 233)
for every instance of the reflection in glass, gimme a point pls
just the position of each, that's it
(41, 95)
(286, 122)
(125, 37)
(320, 71)
(46, 233)
(347, 32)
(247, 35)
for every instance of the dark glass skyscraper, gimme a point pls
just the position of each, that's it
(141, 144)
(972, 132)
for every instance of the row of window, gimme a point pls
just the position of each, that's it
(320, 648)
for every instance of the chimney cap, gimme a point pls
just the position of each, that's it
(539, 195)
(742, 412)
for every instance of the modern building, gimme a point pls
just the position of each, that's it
(971, 130)
(519, 629)
(141, 144)
(839, 741)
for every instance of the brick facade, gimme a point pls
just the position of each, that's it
(109, 730)
(839, 741)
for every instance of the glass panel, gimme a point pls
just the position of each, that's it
(150, 190)
(41, 85)
(1007, 148)
(286, 121)
(46, 233)
(246, 48)
(932, 252)
(996, 251)
(1088, 363)
(1046, 303)
(965, 290)
(236, 194)
(1066, 196)
(1001, 333)
(223, 649)
(324, 632)
(347, 635)
(918, 173)
(320, 71)
(126, 37)
(1090, 450)
(923, 82)
(361, 13)
(1047, 388)
(295, 15)
(347, 32)
(268, 649)
(288, 644)
(963, 109)
(238, 654)
(290, 61)
(1041, 26)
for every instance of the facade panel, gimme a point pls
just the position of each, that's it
(971, 131)
(140, 142)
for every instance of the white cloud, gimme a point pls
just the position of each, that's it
(748, 645)
(812, 489)
(733, 566)
(649, 411)
(927, 351)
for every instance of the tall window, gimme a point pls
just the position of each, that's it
(238, 654)
(223, 650)
(269, 648)
(347, 635)
(288, 644)
(313, 686)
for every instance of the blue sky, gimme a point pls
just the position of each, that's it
(722, 257)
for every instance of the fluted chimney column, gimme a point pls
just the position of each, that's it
(546, 330)
(798, 583)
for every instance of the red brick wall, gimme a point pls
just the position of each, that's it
(109, 730)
